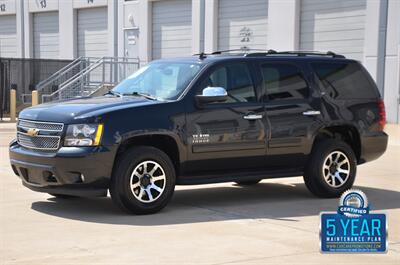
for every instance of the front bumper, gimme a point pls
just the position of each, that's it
(79, 171)
(373, 146)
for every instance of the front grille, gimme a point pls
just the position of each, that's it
(48, 135)
(48, 126)
(38, 142)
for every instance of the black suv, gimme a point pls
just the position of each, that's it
(205, 119)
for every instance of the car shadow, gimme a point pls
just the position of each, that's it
(203, 204)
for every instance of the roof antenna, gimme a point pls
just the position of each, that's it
(202, 56)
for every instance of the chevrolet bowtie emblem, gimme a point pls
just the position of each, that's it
(33, 132)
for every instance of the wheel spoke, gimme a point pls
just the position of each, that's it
(341, 180)
(333, 180)
(145, 167)
(329, 160)
(148, 191)
(161, 177)
(141, 193)
(337, 158)
(156, 188)
(134, 186)
(136, 174)
(153, 170)
(344, 171)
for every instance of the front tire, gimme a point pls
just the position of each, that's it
(143, 180)
(331, 169)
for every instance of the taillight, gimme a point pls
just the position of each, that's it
(382, 114)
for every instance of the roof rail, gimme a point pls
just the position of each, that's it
(261, 52)
(296, 53)
(242, 50)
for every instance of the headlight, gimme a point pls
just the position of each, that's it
(83, 135)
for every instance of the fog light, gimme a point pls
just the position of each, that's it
(50, 177)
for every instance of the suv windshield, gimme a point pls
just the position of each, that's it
(161, 80)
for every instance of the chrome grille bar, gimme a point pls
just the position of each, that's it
(48, 137)
(46, 126)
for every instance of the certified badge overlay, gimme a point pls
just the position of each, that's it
(352, 229)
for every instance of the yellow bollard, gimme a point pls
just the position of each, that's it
(13, 105)
(35, 98)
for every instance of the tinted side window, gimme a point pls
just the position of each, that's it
(236, 79)
(283, 81)
(344, 80)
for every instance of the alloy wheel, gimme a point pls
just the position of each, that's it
(147, 181)
(336, 169)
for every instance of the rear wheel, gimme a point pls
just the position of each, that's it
(331, 169)
(248, 182)
(143, 181)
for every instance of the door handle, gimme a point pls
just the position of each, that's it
(311, 112)
(252, 117)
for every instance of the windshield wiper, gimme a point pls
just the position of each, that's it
(145, 95)
(114, 93)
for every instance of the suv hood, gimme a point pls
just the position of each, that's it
(69, 110)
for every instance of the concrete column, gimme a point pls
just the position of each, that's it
(392, 63)
(67, 29)
(197, 26)
(145, 31)
(283, 25)
(120, 29)
(19, 5)
(112, 9)
(211, 26)
(374, 40)
(28, 38)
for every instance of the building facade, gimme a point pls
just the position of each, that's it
(365, 30)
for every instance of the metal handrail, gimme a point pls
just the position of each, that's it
(51, 78)
(83, 78)
(78, 75)
(75, 78)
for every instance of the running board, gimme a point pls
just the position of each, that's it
(233, 177)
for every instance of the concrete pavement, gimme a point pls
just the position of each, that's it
(276, 221)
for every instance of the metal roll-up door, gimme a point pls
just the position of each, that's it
(242, 24)
(8, 36)
(92, 32)
(46, 35)
(333, 25)
(172, 28)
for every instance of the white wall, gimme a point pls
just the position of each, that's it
(381, 38)
(10, 7)
(283, 30)
(67, 23)
(392, 63)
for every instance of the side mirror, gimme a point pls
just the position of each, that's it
(212, 94)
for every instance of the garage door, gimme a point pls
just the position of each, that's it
(172, 28)
(45, 35)
(92, 32)
(333, 25)
(242, 24)
(8, 36)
